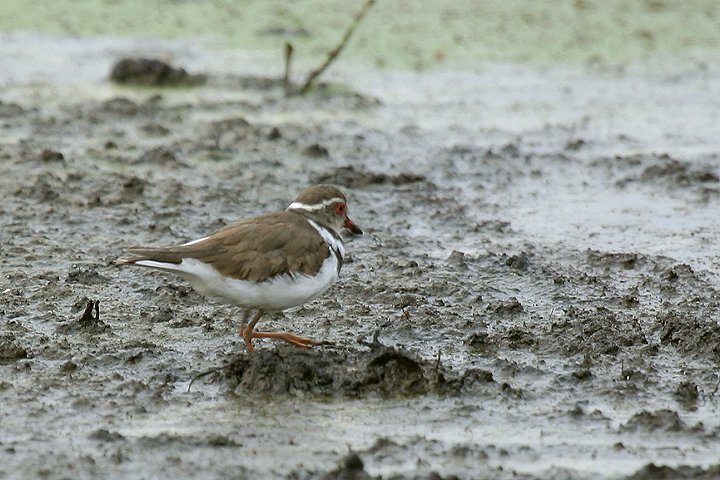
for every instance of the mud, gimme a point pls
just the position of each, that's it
(152, 72)
(387, 372)
(536, 295)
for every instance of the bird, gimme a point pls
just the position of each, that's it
(265, 263)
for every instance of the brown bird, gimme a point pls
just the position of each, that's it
(265, 263)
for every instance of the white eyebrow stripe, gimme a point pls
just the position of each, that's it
(317, 206)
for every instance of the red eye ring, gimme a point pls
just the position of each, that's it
(340, 208)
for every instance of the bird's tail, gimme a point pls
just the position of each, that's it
(147, 256)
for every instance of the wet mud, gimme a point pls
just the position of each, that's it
(152, 72)
(535, 298)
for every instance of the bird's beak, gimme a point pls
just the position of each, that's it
(352, 227)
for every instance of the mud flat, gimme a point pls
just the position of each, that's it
(536, 295)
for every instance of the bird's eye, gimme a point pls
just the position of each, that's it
(340, 208)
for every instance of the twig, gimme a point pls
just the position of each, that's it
(375, 343)
(206, 373)
(332, 54)
(288, 58)
(88, 316)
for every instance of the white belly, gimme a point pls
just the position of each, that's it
(277, 293)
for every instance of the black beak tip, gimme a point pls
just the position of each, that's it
(352, 227)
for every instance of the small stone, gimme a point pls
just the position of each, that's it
(50, 155)
(316, 150)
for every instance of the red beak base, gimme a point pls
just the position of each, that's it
(352, 227)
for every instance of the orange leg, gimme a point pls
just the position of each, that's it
(288, 337)
(248, 333)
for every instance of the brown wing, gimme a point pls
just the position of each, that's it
(254, 249)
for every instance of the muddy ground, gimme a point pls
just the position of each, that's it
(536, 295)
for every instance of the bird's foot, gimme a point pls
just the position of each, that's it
(292, 339)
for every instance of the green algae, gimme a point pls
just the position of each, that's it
(421, 34)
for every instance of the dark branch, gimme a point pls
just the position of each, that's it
(332, 54)
(288, 58)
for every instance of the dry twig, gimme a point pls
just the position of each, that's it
(331, 55)
(288, 58)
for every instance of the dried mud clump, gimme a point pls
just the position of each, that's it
(157, 156)
(595, 330)
(690, 335)
(50, 155)
(687, 394)
(152, 72)
(663, 472)
(666, 171)
(351, 467)
(384, 371)
(8, 109)
(10, 350)
(610, 261)
(660, 421)
(361, 177)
